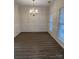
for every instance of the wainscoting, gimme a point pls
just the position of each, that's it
(37, 45)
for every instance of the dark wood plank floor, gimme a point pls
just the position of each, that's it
(37, 46)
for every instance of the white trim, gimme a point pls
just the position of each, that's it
(59, 42)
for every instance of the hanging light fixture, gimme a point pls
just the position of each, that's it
(33, 11)
(49, 2)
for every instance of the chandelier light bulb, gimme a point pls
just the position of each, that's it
(36, 11)
(30, 11)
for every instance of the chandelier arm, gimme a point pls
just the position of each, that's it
(33, 3)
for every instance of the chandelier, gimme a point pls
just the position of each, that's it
(33, 11)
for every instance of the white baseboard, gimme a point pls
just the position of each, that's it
(17, 34)
(58, 41)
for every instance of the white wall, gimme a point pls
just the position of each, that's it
(16, 20)
(38, 23)
(54, 11)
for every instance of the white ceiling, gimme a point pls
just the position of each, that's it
(37, 2)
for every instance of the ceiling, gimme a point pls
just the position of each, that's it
(37, 2)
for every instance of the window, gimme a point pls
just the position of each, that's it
(61, 25)
(51, 24)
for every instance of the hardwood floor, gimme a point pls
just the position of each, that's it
(37, 46)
